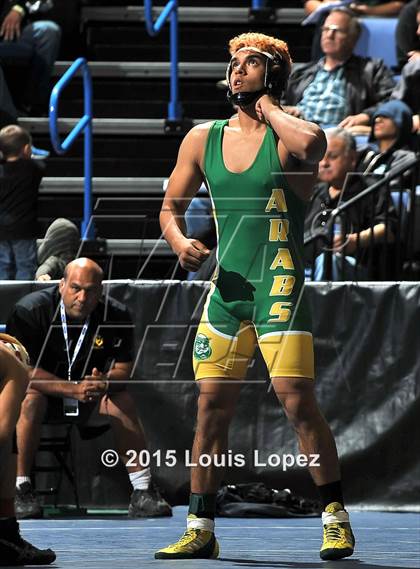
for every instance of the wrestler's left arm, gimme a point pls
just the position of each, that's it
(303, 139)
(302, 144)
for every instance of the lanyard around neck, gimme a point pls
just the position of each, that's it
(66, 338)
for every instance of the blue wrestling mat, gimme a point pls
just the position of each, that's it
(382, 540)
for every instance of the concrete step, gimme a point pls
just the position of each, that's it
(223, 15)
(102, 185)
(141, 247)
(147, 69)
(217, 107)
(103, 126)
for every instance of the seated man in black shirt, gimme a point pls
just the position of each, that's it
(80, 350)
(13, 383)
(363, 226)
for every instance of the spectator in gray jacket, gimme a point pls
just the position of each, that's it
(59, 246)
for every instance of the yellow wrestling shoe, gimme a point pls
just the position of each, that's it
(338, 538)
(196, 543)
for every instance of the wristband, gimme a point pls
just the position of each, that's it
(19, 9)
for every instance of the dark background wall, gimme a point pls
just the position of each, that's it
(367, 339)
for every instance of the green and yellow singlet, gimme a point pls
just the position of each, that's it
(257, 290)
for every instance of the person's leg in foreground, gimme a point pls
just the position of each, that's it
(14, 550)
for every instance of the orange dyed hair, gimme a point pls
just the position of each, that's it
(264, 43)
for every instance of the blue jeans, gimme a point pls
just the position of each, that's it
(44, 38)
(18, 260)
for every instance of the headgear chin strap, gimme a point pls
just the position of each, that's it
(246, 98)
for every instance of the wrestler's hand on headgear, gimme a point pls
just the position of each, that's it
(192, 253)
(263, 106)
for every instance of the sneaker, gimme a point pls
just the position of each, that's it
(148, 504)
(338, 538)
(16, 551)
(26, 503)
(194, 544)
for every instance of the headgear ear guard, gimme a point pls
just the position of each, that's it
(274, 79)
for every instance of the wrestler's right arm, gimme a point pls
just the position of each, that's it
(184, 183)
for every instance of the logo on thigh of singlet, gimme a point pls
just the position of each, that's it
(202, 349)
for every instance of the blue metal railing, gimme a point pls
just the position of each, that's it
(84, 125)
(153, 28)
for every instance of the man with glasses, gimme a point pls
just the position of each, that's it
(378, 8)
(341, 88)
(362, 8)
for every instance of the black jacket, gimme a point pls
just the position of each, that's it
(406, 36)
(19, 184)
(369, 82)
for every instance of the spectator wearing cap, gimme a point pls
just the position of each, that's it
(392, 133)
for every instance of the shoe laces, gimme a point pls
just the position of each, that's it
(188, 536)
(334, 532)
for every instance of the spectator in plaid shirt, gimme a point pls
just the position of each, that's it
(341, 88)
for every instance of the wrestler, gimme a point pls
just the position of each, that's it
(260, 167)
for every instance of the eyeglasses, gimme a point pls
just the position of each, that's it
(335, 29)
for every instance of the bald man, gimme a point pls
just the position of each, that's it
(80, 352)
(13, 383)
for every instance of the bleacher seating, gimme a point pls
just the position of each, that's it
(378, 39)
(131, 151)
